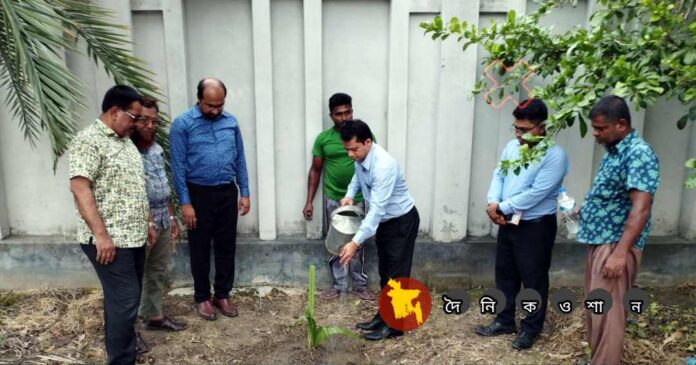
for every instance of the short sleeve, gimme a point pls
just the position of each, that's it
(83, 159)
(643, 170)
(317, 150)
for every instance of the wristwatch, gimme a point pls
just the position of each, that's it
(151, 224)
(172, 218)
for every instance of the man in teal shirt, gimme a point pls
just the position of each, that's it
(615, 221)
(330, 156)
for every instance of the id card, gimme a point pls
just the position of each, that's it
(515, 219)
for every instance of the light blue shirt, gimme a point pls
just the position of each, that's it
(382, 183)
(534, 192)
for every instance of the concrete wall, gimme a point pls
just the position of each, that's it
(282, 59)
(47, 262)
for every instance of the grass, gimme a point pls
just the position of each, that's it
(10, 298)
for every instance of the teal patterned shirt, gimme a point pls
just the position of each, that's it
(630, 164)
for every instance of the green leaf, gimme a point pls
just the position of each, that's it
(311, 291)
(511, 15)
(454, 25)
(691, 163)
(324, 332)
(583, 125)
(311, 330)
(691, 182)
(690, 57)
(681, 123)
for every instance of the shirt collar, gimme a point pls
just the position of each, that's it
(104, 129)
(367, 162)
(624, 143)
(196, 111)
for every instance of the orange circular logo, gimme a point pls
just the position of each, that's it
(404, 304)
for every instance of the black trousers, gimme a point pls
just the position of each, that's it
(395, 240)
(216, 220)
(122, 281)
(523, 257)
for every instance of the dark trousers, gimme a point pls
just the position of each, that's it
(395, 241)
(523, 256)
(122, 281)
(216, 220)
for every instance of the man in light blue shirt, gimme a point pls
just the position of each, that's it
(393, 218)
(523, 254)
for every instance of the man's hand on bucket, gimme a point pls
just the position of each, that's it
(346, 201)
(348, 251)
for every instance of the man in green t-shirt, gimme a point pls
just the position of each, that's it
(330, 156)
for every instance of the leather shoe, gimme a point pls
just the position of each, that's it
(382, 332)
(524, 341)
(140, 345)
(225, 307)
(363, 293)
(165, 323)
(205, 310)
(330, 293)
(495, 329)
(371, 325)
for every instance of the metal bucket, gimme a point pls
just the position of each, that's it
(344, 224)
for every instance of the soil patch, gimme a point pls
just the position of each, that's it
(66, 326)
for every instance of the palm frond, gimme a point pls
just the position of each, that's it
(43, 91)
(109, 46)
(43, 94)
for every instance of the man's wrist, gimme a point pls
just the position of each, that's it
(620, 251)
(505, 208)
(151, 225)
(101, 237)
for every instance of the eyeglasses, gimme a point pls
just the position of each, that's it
(146, 121)
(517, 130)
(134, 118)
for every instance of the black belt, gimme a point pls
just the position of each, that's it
(538, 220)
(219, 187)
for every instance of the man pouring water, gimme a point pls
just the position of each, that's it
(393, 218)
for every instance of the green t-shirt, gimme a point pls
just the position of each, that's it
(338, 167)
